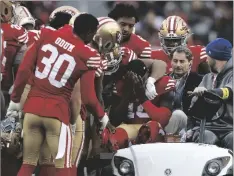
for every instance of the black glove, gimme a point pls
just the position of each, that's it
(139, 88)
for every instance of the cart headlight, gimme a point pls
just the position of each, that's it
(215, 166)
(125, 166)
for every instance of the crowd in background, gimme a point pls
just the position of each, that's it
(207, 19)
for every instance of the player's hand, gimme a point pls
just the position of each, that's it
(14, 106)
(150, 91)
(198, 91)
(14, 110)
(171, 84)
(105, 123)
(139, 88)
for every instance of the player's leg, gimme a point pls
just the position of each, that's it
(78, 145)
(59, 139)
(46, 161)
(33, 138)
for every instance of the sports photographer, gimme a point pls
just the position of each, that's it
(219, 81)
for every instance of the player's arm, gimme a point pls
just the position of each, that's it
(99, 88)
(20, 34)
(145, 49)
(75, 103)
(88, 94)
(25, 70)
(157, 67)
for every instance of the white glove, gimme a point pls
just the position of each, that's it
(198, 91)
(14, 110)
(73, 129)
(104, 121)
(150, 91)
(14, 106)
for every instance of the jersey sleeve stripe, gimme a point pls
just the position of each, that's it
(131, 56)
(203, 49)
(202, 53)
(146, 52)
(23, 36)
(204, 56)
(23, 40)
(145, 55)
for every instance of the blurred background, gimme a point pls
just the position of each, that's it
(207, 19)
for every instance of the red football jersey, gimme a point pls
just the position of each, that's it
(198, 52)
(2, 57)
(33, 35)
(127, 55)
(14, 36)
(141, 47)
(59, 60)
(137, 112)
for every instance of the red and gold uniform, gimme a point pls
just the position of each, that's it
(59, 60)
(140, 46)
(153, 114)
(15, 37)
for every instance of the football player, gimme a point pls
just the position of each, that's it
(126, 16)
(174, 32)
(107, 42)
(15, 36)
(60, 60)
(59, 17)
(140, 119)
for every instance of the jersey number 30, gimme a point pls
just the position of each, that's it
(56, 59)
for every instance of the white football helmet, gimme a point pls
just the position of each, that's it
(23, 16)
(68, 9)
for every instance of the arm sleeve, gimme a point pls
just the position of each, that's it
(24, 72)
(88, 94)
(145, 51)
(230, 83)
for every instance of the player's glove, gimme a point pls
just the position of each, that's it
(105, 123)
(150, 91)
